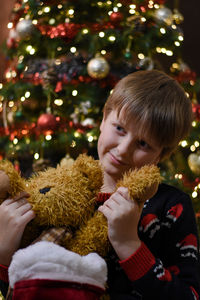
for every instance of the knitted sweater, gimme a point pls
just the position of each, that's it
(166, 265)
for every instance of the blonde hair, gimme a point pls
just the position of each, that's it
(157, 102)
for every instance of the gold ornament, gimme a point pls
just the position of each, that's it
(164, 14)
(98, 67)
(178, 17)
(194, 162)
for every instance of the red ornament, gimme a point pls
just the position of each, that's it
(196, 111)
(47, 122)
(116, 17)
(186, 76)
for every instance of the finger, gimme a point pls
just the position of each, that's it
(104, 210)
(24, 208)
(21, 195)
(112, 203)
(19, 203)
(16, 198)
(27, 216)
(123, 191)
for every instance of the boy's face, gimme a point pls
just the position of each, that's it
(120, 147)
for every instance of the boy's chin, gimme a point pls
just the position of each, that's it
(114, 172)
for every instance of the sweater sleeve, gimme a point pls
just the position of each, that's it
(3, 279)
(177, 275)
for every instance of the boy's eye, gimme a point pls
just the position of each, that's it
(119, 128)
(143, 144)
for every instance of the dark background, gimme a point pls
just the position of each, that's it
(190, 9)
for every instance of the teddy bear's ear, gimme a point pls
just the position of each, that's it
(16, 183)
(90, 168)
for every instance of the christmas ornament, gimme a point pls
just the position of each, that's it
(98, 67)
(41, 164)
(24, 28)
(194, 162)
(128, 54)
(146, 63)
(116, 17)
(196, 111)
(178, 17)
(47, 122)
(19, 116)
(88, 122)
(11, 40)
(49, 77)
(164, 14)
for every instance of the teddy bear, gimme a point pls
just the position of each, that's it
(65, 198)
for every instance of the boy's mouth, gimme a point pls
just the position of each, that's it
(115, 160)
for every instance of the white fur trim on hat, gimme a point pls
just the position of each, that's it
(46, 260)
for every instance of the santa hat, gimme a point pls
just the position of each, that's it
(48, 271)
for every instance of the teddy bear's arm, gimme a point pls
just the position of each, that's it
(142, 183)
(92, 237)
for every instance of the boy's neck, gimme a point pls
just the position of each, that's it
(109, 184)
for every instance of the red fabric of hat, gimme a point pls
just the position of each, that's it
(40, 289)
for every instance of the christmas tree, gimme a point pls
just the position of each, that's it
(65, 57)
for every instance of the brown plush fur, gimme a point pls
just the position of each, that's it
(65, 196)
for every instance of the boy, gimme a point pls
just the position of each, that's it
(155, 253)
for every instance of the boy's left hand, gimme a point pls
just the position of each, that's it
(123, 215)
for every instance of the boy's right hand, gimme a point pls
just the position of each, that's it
(14, 216)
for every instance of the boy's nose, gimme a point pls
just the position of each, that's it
(124, 147)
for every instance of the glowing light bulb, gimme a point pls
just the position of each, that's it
(177, 43)
(163, 30)
(48, 137)
(32, 51)
(141, 56)
(10, 25)
(184, 143)
(36, 155)
(192, 148)
(132, 11)
(73, 49)
(15, 141)
(181, 38)
(169, 53)
(74, 93)
(111, 38)
(71, 11)
(27, 94)
(28, 48)
(85, 31)
(194, 194)
(194, 124)
(103, 52)
(47, 9)
(101, 34)
(90, 138)
(58, 102)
